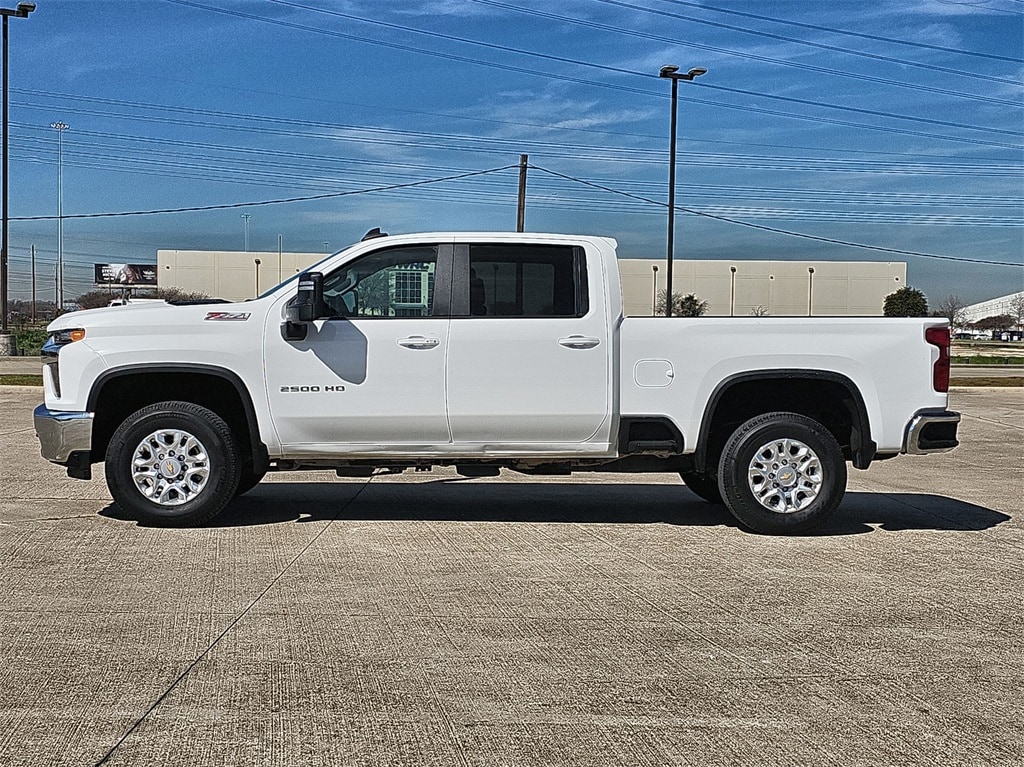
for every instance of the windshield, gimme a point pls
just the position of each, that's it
(295, 276)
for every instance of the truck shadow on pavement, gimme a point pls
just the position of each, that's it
(283, 502)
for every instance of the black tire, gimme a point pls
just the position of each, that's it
(205, 468)
(702, 485)
(810, 485)
(248, 478)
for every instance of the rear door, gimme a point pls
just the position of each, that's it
(528, 357)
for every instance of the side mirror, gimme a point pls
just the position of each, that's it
(309, 300)
(307, 306)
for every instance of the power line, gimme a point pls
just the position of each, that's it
(619, 70)
(857, 110)
(848, 33)
(412, 49)
(561, 128)
(762, 227)
(448, 136)
(549, 75)
(228, 206)
(798, 41)
(747, 55)
(630, 154)
(453, 38)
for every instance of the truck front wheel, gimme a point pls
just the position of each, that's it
(782, 473)
(173, 464)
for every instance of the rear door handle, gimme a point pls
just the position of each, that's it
(418, 342)
(579, 342)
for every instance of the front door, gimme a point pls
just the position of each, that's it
(372, 374)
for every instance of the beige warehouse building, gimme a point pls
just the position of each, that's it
(777, 288)
(740, 288)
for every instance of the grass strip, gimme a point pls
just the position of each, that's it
(988, 381)
(20, 380)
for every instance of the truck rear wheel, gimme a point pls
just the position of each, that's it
(173, 464)
(782, 473)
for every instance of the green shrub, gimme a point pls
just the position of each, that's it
(30, 340)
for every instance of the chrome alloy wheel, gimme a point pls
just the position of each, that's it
(785, 476)
(170, 467)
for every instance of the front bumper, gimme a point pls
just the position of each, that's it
(62, 434)
(931, 432)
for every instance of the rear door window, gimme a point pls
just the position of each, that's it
(526, 281)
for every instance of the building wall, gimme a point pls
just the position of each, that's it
(228, 274)
(991, 308)
(778, 287)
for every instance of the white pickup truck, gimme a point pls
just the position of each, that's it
(484, 351)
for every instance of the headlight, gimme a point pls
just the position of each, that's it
(59, 338)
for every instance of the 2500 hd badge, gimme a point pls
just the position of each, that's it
(311, 389)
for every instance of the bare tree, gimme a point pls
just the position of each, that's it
(952, 308)
(1017, 309)
(759, 311)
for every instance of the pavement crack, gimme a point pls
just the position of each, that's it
(227, 629)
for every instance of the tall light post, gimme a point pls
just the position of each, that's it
(810, 290)
(672, 73)
(60, 127)
(246, 217)
(732, 291)
(7, 346)
(654, 290)
(257, 262)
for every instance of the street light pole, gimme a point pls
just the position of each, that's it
(7, 346)
(60, 127)
(732, 291)
(246, 217)
(654, 291)
(257, 262)
(672, 73)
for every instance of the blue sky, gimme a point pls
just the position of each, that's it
(889, 123)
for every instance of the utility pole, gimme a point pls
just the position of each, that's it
(280, 242)
(33, 282)
(521, 210)
(60, 127)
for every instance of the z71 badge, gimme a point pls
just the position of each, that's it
(235, 316)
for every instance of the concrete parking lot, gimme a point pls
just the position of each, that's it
(422, 619)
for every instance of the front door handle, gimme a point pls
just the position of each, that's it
(579, 342)
(418, 342)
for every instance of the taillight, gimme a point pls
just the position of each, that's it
(939, 336)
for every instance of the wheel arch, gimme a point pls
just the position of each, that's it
(830, 398)
(118, 392)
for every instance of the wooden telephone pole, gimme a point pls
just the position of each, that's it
(521, 210)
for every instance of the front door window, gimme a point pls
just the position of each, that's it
(398, 282)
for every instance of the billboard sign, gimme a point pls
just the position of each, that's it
(125, 274)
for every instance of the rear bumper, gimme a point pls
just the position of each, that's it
(931, 432)
(62, 434)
